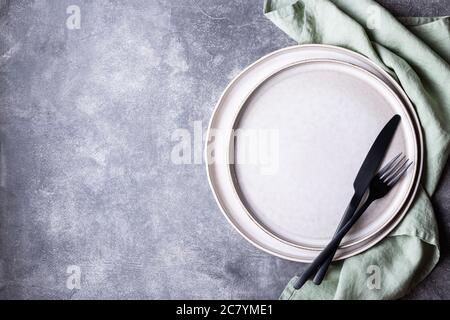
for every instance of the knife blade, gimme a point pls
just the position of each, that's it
(368, 169)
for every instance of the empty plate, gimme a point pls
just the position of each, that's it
(287, 139)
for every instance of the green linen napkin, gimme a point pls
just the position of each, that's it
(416, 51)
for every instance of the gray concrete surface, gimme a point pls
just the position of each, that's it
(86, 118)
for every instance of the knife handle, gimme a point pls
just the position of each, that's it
(348, 214)
(332, 246)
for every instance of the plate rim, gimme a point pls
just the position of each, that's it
(238, 113)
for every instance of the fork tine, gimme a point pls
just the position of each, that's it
(397, 177)
(388, 165)
(398, 167)
(393, 168)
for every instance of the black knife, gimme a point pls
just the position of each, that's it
(367, 171)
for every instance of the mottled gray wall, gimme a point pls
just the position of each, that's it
(86, 118)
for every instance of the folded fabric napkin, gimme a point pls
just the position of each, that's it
(416, 51)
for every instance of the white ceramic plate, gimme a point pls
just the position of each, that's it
(326, 114)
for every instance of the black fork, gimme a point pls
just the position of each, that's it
(391, 166)
(380, 185)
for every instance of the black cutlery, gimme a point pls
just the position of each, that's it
(379, 187)
(368, 169)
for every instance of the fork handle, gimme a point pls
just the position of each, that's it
(332, 246)
(351, 208)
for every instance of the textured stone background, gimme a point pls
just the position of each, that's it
(86, 118)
